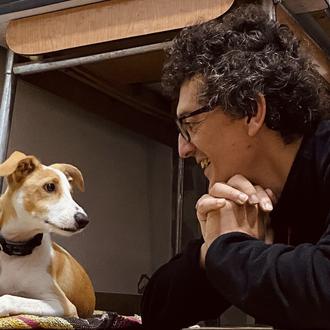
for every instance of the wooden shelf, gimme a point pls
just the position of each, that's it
(106, 21)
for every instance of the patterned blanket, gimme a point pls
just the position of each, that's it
(100, 320)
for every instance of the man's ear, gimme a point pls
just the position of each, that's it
(255, 122)
(72, 173)
(18, 166)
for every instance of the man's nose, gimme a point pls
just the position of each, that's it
(186, 149)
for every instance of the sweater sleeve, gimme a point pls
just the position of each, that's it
(179, 295)
(280, 285)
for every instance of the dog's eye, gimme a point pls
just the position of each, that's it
(49, 187)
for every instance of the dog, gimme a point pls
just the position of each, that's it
(37, 276)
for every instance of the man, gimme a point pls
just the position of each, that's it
(251, 111)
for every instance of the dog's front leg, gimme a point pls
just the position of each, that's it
(13, 305)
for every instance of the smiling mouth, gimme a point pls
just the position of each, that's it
(205, 163)
(71, 230)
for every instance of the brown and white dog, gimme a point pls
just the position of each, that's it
(37, 276)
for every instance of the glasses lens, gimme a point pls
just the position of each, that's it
(182, 130)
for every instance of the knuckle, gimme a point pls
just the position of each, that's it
(216, 189)
(201, 203)
(261, 192)
(204, 196)
(204, 208)
(229, 205)
(236, 178)
(213, 189)
(200, 200)
(259, 188)
(201, 211)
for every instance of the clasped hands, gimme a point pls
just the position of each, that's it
(235, 206)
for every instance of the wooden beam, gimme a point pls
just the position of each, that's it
(141, 68)
(106, 21)
(313, 49)
(305, 6)
(145, 101)
(94, 101)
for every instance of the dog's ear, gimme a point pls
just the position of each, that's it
(18, 166)
(72, 173)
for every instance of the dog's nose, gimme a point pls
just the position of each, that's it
(81, 220)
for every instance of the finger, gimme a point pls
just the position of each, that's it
(242, 184)
(255, 221)
(223, 190)
(264, 200)
(206, 205)
(202, 225)
(201, 198)
(202, 218)
(272, 196)
(269, 234)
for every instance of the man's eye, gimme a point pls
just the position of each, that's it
(190, 125)
(49, 187)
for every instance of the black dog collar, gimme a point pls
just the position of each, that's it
(19, 248)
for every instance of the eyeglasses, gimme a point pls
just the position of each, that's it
(181, 125)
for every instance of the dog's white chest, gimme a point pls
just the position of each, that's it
(24, 275)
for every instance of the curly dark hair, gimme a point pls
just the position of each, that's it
(241, 56)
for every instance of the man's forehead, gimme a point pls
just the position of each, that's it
(189, 96)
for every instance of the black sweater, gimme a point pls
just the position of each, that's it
(283, 285)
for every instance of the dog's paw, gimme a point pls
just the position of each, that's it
(5, 304)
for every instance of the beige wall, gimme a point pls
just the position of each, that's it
(128, 185)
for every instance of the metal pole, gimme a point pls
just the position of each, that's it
(270, 7)
(179, 207)
(6, 109)
(29, 68)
